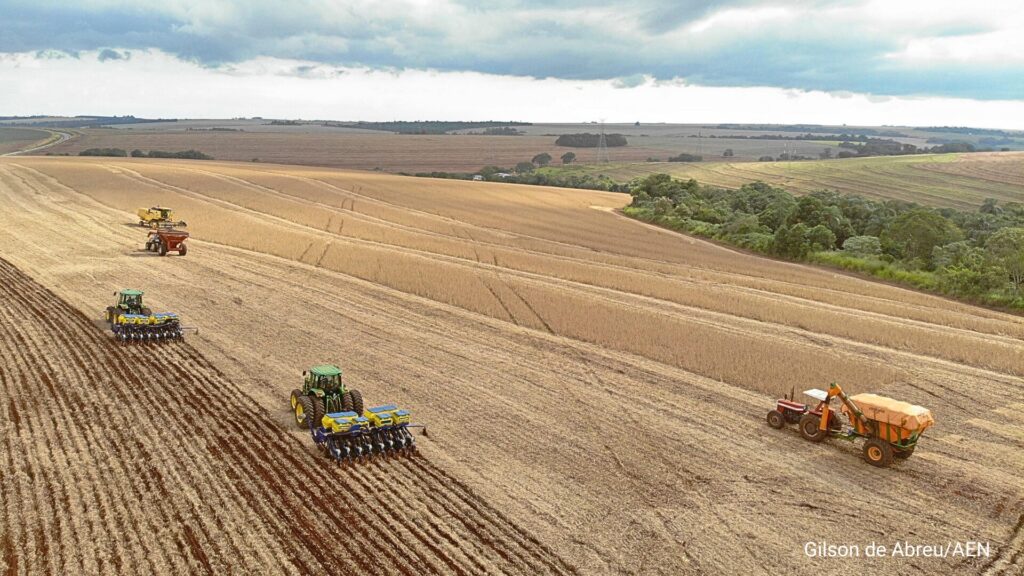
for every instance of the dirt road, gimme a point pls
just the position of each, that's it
(599, 385)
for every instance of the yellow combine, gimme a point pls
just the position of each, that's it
(156, 216)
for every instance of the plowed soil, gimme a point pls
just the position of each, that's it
(595, 388)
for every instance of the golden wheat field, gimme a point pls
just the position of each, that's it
(594, 388)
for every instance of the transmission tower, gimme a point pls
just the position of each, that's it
(602, 146)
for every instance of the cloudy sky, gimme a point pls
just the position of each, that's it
(846, 61)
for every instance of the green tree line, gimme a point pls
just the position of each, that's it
(975, 255)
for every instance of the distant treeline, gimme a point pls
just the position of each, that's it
(499, 131)
(588, 140)
(807, 136)
(972, 131)
(80, 121)
(808, 128)
(423, 127)
(121, 153)
(975, 255)
(520, 175)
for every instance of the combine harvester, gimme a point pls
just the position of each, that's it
(130, 321)
(339, 424)
(155, 216)
(890, 428)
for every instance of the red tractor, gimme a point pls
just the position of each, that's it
(167, 239)
(789, 411)
(890, 428)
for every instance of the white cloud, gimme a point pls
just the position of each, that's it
(154, 84)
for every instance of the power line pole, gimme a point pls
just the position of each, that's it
(602, 146)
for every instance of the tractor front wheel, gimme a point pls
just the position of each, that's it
(878, 452)
(294, 399)
(809, 428)
(303, 408)
(776, 419)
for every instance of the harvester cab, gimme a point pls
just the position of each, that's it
(890, 428)
(338, 422)
(131, 321)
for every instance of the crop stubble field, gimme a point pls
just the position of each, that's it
(607, 402)
(955, 180)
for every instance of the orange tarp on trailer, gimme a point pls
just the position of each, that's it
(902, 414)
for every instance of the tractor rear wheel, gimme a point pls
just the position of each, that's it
(346, 402)
(357, 401)
(776, 419)
(809, 428)
(317, 413)
(878, 452)
(302, 411)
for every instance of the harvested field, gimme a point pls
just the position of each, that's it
(342, 148)
(148, 459)
(955, 180)
(595, 383)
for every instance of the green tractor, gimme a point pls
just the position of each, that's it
(323, 392)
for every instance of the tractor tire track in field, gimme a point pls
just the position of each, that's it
(147, 459)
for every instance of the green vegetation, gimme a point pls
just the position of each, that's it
(975, 255)
(499, 131)
(525, 173)
(588, 140)
(183, 155)
(683, 157)
(116, 152)
(119, 153)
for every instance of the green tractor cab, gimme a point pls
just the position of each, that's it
(128, 302)
(323, 392)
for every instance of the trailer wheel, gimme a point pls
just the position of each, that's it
(183, 250)
(878, 452)
(163, 248)
(303, 409)
(357, 401)
(776, 419)
(903, 454)
(809, 428)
